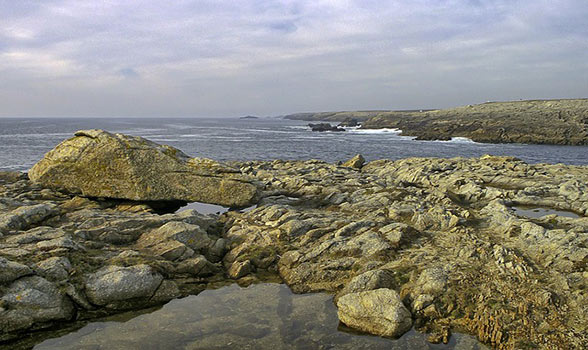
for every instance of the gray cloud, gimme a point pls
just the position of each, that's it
(204, 58)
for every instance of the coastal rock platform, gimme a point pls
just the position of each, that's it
(436, 243)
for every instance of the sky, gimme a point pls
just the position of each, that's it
(184, 58)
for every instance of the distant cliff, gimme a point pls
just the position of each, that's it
(561, 122)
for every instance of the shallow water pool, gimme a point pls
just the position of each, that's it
(537, 212)
(261, 316)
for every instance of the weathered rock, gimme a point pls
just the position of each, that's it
(218, 250)
(166, 291)
(32, 301)
(240, 269)
(77, 297)
(432, 281)
(197, 266)
(378, 311)
(322, 127)
(96, 163)
(356, 162)
(114, 284)
(367, 244)
(55, 268)
(435, 218)
(176, 240)
(192, 216)
(10, 270)
(171, 250)
(349, 122)
(395, 232)
(422, 301)
(24, 217)
(116, 228)
(11, 176)
(295, 227)
(58, 243)
(37, 234)
(370, 280)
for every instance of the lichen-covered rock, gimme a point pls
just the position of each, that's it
(356, 162)
(197, 266)
(10, 270)
(54, 268)
(96, 163)
(240, 268)
(166, 291)
(32, 301)
(113, 284)
(23, 217)
(432, 281)
(370, 280)
(378, 311)
(58, 243)
(176, 240)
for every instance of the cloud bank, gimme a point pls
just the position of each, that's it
(216, 58)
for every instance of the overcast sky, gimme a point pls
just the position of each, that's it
(221, 58)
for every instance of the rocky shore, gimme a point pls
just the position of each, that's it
(434, 244)
(558, 122)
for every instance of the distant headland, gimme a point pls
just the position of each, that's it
(559, 122)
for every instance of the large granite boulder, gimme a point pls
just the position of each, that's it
(96, 163)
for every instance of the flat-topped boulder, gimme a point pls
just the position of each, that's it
(96, 163)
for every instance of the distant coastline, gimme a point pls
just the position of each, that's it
(557, 122)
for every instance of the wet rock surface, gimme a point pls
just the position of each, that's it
(441, 235)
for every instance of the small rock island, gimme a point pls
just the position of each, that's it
(322, 127)
(434, 244)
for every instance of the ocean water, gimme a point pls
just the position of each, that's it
(23, 141)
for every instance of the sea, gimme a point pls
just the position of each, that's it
(24, 141)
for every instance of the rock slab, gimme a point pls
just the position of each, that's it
(96, 163)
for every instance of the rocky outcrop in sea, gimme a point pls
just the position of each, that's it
(440, 245)
(322, 127)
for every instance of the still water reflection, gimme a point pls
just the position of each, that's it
(537, 212)
(261, 316)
